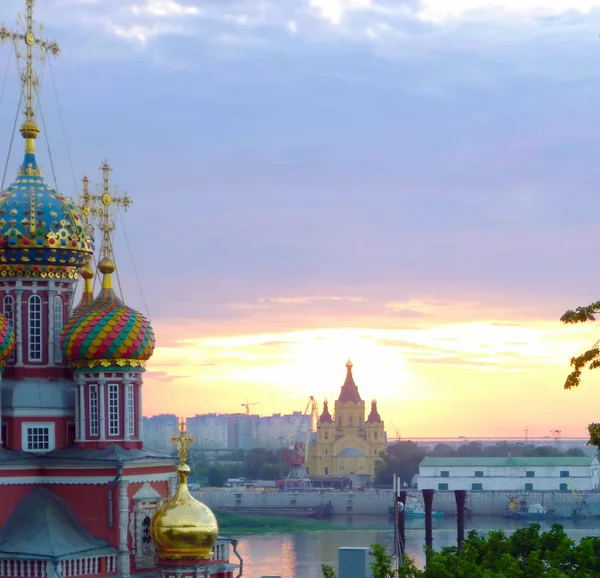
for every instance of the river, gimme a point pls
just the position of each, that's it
(300, 554)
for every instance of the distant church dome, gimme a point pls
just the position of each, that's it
(108, 332)
(41, 232)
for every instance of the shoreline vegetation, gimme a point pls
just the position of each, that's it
(230, 523)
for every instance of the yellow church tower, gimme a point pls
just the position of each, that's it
(347, 445)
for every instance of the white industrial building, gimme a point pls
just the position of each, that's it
(510, 474)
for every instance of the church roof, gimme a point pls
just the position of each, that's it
(112, 455)
(325, 416)
(38, 393)
(43, 527)
(349, 390)
(374, 416)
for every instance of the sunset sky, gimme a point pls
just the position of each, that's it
(413, 184)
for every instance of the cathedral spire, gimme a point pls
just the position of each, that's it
(349, 390)
(29, 78)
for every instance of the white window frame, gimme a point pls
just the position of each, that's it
(130, 410)
(26, 426)
(113, 409)
(35, 328)
(94, 410)
(57, 311)
(8, 310)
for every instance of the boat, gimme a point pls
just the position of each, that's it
(521, 510)
(414, 510)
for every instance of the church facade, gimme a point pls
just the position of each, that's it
(78, 488)
(347, 445)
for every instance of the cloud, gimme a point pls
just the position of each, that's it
(164, 8)
(442, 11)
(334, 10)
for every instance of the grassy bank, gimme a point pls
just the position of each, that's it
(230, 523)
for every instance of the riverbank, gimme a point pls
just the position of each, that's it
(230, 523)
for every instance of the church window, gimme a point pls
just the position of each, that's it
(58, 327)
(35, 328)
(37, 437)
(93, 410)
(326, 471)
(8, 310)
(350, 421)
(113, 409)
(130, 410)
(375, 435)
(326, 435)
(146, 530)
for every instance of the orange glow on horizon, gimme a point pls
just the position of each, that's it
(431, 377)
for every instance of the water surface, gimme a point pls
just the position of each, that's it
(300, 554)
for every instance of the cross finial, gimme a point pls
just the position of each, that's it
(29, 78)
(100, 205)
(182, 441)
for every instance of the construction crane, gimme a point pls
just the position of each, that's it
(248, 405)
(297, 454)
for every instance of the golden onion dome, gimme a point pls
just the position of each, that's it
(183, 527)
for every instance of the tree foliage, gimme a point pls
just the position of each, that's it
(526, 553)
(591, 358)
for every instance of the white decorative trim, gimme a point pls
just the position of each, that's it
(101, 389)
(91, 480)
(50, 342)
(19, 328)
(173, 485)
(147, 492)
(123, 556)
(146, 501)
(38, 412)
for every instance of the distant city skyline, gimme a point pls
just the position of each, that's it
(411, 184)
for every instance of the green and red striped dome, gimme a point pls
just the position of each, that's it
(7, 340)
(107, 333)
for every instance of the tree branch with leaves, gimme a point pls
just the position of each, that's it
(589, 359)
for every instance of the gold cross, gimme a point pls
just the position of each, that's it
(181, 441)
(99, 205)
(29, 79)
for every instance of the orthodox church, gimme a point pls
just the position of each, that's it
(79, 490)
(347, 445)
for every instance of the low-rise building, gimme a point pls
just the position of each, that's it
(510, 474)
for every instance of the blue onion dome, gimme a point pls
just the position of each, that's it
(42, 233)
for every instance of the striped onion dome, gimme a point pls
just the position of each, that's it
(87, 298)
(7, 340)
(106, 332)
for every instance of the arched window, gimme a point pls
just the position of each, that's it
(350, 421)
(35, 328)
(58, 327)
(8, 310)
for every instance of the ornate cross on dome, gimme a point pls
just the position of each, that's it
(182, 441)
(99, 205)
(29, 77)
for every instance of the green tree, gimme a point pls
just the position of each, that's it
(215, 477)
(402, 458)
(589, 359)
